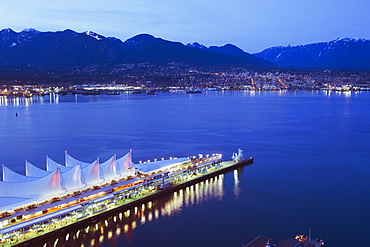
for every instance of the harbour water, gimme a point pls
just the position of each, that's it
(311, 168)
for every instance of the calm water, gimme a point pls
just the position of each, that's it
(311, 149)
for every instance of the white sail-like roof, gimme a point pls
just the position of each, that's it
(70, 161)
(12, 176)
(47, 186)
(51, 165)
(34, 171)
(110, 169)
(160, 165)
(9, 203)
(74, 179)
(41, 184)
(54, 186)
(93, 174)
(125, 165)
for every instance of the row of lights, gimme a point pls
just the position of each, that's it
(127, 213)
(143, 206)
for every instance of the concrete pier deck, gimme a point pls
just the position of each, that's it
(137, 200)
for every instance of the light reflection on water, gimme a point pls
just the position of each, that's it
(118, 229)
(310, 149)
(236, 184)
(17, 101)
(56, 98)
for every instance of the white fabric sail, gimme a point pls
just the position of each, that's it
(44, 187)
(51, 165)
(74, 179)
(125, 165)
(34, 171)
(71, 162)
(54, 186)
(12, 176)
(57, 179)
(93, 174)
(110, 169)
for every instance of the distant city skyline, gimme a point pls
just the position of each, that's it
(250, 25)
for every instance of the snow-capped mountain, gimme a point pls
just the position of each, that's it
(340, 53)
(9, 38)
(94, 35)
(56, 49)
(31, 48)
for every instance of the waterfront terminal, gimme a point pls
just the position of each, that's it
(45, 201)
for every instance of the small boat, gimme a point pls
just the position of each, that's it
(152, 92)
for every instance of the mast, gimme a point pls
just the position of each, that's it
(66, 157)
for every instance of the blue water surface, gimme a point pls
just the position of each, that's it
(311, 149)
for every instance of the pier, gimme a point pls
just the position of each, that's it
(95, 204)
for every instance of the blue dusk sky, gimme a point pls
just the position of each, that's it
(251, 25)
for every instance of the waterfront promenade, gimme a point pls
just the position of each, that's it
(141, 198)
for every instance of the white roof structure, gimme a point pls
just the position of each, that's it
(152, 167)
(71, 162)
(17, 190)
(125, 164)
(49, 185)
(12, 176)
(110, 169)
(51, 165)
(34, 171)
(93, 174)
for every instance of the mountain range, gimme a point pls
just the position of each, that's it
(341, 53)
(65, 49)
(68, 48)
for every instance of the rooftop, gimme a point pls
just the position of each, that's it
(160, 165)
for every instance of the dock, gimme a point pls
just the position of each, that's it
(113, 198)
